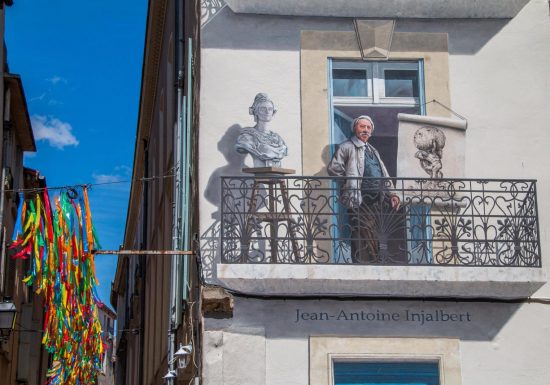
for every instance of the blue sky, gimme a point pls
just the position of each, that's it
(80, 63)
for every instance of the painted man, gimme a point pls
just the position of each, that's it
(368, 199)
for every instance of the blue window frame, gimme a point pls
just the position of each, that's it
(420, 234)
(386, 373)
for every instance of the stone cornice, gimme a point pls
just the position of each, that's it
(151, 61)
(396, 9)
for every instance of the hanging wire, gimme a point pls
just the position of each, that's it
(445, 107)
(414, 109)
(73, 187)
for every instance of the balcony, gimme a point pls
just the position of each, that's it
(322, 235)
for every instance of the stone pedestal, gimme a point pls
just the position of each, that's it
(267, 177)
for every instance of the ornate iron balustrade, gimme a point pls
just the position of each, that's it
(460, 222)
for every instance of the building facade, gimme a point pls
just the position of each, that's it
(22, 358)
(151, 292)
(453, 290)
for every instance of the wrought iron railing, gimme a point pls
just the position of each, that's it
(460, 222)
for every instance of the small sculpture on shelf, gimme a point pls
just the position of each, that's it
(266, 147)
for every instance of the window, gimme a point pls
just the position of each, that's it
(334, 356)
(376, 83)
(386, 372)
(401, 83)
(350, 82)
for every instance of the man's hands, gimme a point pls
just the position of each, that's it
(395, 201)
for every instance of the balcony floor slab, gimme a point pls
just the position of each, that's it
(382, 281)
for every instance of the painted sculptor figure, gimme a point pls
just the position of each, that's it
(365, 197)
(266, 147)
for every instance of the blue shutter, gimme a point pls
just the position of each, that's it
(386, 373)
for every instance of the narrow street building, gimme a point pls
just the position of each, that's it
(22, 358)
(152, 294)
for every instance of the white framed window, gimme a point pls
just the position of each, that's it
(377, 83)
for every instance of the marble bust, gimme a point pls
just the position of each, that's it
(266, 147)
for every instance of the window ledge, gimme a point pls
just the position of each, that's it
(393, 281)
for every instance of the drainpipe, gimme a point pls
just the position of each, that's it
(3, 62)
(174, 305)
(3, 264)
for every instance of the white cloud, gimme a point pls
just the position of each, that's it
(119, 174)
(41, 97)
(127, 171)
(53, 130)
(56, 79)
(107, 178)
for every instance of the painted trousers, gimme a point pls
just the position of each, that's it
(368, 222)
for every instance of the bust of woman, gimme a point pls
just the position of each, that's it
(266, 147)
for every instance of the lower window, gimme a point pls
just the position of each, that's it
(386, 372)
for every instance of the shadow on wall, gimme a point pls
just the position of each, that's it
(325, 159)
(466, 37)
(230, 30)
(467, 320)
(235, 163)
(264, 32)
(210, 239)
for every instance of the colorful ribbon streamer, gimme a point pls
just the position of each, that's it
(59, 240)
